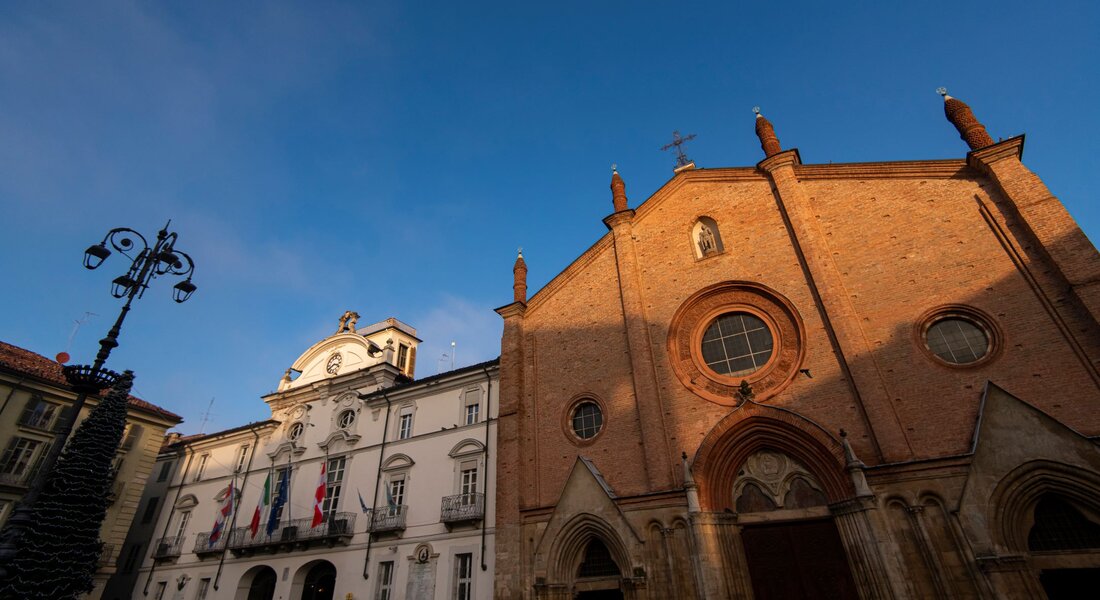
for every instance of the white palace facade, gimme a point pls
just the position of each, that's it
(404, 508)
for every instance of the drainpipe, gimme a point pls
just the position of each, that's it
(237, 504)
(377, 482)
(485, 486)
(179, 492)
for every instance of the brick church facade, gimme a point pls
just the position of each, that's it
(873, 380)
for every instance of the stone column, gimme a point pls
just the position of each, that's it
(861, 545)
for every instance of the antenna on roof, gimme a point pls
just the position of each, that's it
(452, 356)
(206, 417)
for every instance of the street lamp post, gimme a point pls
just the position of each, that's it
(146, 265)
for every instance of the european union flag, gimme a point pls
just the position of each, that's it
(281, 494)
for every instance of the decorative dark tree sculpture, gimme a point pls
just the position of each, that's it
(60, 550)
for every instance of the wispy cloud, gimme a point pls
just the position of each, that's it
(475, 329)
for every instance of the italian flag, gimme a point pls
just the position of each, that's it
(261, 506)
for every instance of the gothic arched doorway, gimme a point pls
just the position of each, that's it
(1059, 532)
(319, 582)
(257, 583)
(598, 575)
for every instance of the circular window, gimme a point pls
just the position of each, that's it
(736, 344)
(345, 419)
(295, 431)
(732, 333)
(956, 340)
(587, 419)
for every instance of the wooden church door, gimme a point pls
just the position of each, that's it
(801, 559)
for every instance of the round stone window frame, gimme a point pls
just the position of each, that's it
(567, 419)
(298, 427)
(695, 315)
(974, 316)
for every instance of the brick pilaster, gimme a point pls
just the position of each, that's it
(837, 312)
(510, 466)
(1053, 230)
(647, 397)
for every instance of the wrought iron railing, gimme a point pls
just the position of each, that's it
(388, 518)
(20, 480)
(107, 556)
(167, 547)
(463, 507)
(204, 546)
(335, 527)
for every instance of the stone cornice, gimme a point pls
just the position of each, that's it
(615, 219)
(515, 309)
(938, 169)
(787, 157)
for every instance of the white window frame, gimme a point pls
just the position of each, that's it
(405, 419)
(181, 525)
(242, 456)
(334, 479)
(26, 449)
(200, 469)
(386, 570)
(458, 581)
(204, 589)
(471, 398)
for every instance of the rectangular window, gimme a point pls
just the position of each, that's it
(402, 356)
(162, 586)
(472, 402)
(201, 468)
(467, 481)
(397, 494)
(385, 581)
(150, 510)
(181, 529)
(38, 413)
(17, 457)
(132, 558)
(165, 468)
(334, 475)
(204, 588)
(242, 456)
(405, 424)
(464, 576)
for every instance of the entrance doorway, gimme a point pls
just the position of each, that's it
(600, 595)
(320, 582)
(263, 585)
(803, 559)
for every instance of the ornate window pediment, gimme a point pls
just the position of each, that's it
(770, 480)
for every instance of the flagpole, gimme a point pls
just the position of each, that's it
(235, 503)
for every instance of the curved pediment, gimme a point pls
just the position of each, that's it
(334, 355)
(467, 447)
(397, 461)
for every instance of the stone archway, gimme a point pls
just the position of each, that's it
(1050, 512)
(781, 514)
(587, 560)
(257, 583)
(315, 580)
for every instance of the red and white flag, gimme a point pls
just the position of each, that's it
(319, 498)
(222, 517)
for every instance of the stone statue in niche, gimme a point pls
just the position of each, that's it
(706, 240)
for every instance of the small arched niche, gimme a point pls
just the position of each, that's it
(706, 239)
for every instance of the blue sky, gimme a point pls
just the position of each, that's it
(389, 158)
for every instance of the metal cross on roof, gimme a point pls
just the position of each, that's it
(678, 142)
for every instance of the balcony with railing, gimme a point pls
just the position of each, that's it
(167, 547)
(462, 508)
(388, 518)
(204, 547)
(106, 557)
(337, 528)
(20, 480)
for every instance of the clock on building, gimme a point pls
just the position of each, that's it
(334, 363)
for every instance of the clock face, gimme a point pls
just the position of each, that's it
(334, 363)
